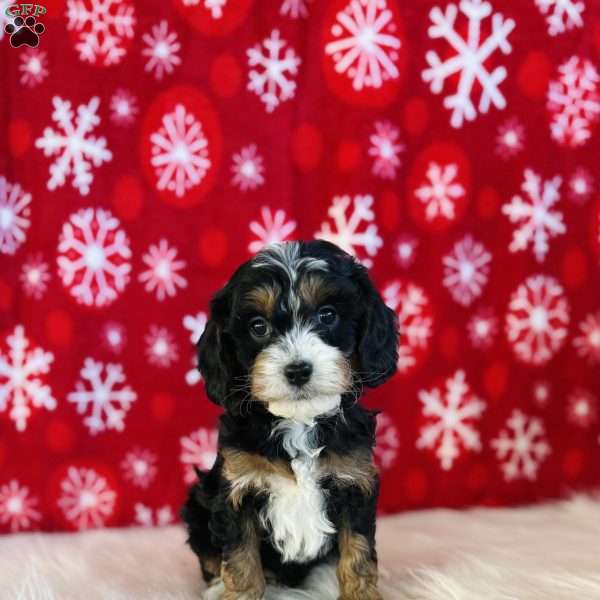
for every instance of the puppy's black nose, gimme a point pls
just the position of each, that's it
(298, 373)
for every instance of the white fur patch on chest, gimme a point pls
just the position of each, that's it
(296, 511)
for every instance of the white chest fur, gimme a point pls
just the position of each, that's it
(296, 511)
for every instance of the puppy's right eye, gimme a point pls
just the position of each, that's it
(259, 327)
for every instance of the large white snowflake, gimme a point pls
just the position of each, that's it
(86, 499)
(20, 384)
(274, 229)
(387, 442)
(162, 47)
(385, 149)
(75, 148)
(466, 270)
(14, 215)
(93, 257)
(17, 507)
(162, 277)
(538, 222)
(562, 15)
(102, 27)
(414, 321)
(102, 395)
(441, 192)
(199, 449)
(354, 227)
(147, 517)
(139, 467)
(471, 53)
(179, 152)
(366, 45)
(521, 446)
(247, 168)
(537, 319)
(272, 76)
(574, 102)
(587, 343)
(450, 418)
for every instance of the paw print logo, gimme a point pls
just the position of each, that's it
(24, 32)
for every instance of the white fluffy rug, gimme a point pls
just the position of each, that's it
(549, 552)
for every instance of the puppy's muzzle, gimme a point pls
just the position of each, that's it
(298, 373)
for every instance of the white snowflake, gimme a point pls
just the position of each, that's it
(521, 447)
(483, 328)
(294, 8)
(162, 47)
(195, 324)
(19, 382)
(247, 169)
(199, 449)
(93, 257)
(582, 408)
(387, 442)
(581, 185)
(179, 152)
(192, 375)
(587, 343)
(272, 80)
(574, 102)
(102, 27)
(414, 321)
(354, 227)
(541, 393)
(104, 396)
(537, 319)
(366, 45)
(273, 229)
(510, 138)
(466, 270)
(538, 222)
(148, 517)
(405, 250)
(562, 14)
(87, 500)
(451, 415)
(35, 276)
(77, 150)
(17, 507)
(114, 337)
(385, 149)
(472, 52)
(139, 467)
(33, 67)
(162, 276)
(14, 215)
(161, 350)
(441, 192)
(123, 107)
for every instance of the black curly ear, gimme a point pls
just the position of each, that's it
(213, 358)
(377, 345)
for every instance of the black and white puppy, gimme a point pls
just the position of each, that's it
(292, 339)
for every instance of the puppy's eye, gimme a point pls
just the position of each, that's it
(259, 327)
(327, 315)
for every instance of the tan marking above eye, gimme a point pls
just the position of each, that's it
(314, 289)
(264, 299)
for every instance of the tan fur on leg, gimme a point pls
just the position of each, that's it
(357, 571)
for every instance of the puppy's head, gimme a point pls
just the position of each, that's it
(295, 328)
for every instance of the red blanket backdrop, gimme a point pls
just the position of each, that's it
(150, 147)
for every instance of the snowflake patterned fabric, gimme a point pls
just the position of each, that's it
(449, 145)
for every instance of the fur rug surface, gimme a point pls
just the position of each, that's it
(549, 552)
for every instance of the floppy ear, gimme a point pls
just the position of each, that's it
(377, 345)
(213, 360)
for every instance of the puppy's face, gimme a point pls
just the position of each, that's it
(291, 330)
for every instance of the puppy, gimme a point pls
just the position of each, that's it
(292, 340)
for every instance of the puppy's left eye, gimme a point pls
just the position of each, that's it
(327, 315)
(259, 327)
